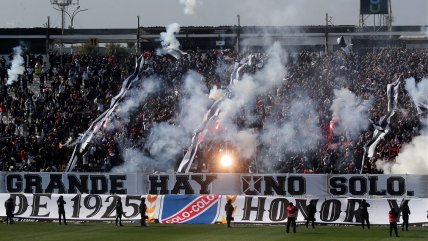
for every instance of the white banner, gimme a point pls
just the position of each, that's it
(207, 208)
(268, 209)
(80, 206)
(289, 185)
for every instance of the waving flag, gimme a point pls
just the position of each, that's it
(98, 123)
(343, 45)
(382, 127)
(199, 136)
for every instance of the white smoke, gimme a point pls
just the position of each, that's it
(418, 92)
(413, 157)
(216, 93)
(194, 103)
(350, 112)
(190, 6)
(169, 41)
(17, 67)
(298, 132)
(162, 147)
(135, 97)
(167, 141)
(133, 158)
(266, 79)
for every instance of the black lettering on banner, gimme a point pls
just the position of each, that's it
(330, 210)
(353, 185)
(135, 206)
(81, 185)
(96, 180)
(182, 182)
(21, 202)
(162, 184)
(33, 180)
(55, 183)
(352, 212)
(278, 185)
(14, 179)
(277, 209)
(116, 184)
(260, 208)
(301, 185)
(251, 185)
(111, 207)
(204, 184)
(302, 206)
(37, 205)
(95, 206)
(390, 183)
(373, 187)
(338, 186)
(76, 206)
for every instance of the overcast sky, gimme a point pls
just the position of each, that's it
(123, 13)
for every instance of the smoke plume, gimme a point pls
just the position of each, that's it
(168, 40)
(269, 77)
(135, 98)
(17, 67)
(133, 158)
(298, 131)
(194, 102)
(413, 157)
(167, 140)
(419, 93)
(350, 112)
(190, 6)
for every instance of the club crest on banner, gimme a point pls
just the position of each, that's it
(190, 209)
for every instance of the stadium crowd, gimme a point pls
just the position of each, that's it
(44, 112)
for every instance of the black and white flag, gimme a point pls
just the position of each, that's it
(106, 116)
(343, 45)
(382, 127)
(199, 136)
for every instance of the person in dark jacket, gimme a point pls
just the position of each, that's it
(364, 213)
(405, 212)
(311, 209)
(119, 211)
(143, 209)
(61, 211)
(229, 212)
(10, 208)
(393, 218)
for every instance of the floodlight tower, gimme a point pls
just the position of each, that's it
(62, 6)
(380, 10)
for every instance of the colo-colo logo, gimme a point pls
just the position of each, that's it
(190, 209)
(375, 6)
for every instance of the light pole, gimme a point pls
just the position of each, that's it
(73, 14)
(62, 7)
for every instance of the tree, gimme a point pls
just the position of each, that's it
(116, 49)
(88, 49)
